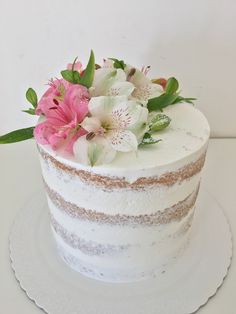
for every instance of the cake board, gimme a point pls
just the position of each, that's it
(183, 289)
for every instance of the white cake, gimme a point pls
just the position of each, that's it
(125, 220)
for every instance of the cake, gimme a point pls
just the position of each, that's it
(121, 157)
(126, 220)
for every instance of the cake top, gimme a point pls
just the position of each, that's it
(182, 142)
(188, 133)
(114, 114)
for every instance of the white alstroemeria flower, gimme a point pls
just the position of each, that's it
(144, 88)
(110, 82)
(92, 152)
(116, 125)
(108, 63)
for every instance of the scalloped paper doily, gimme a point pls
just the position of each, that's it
(57, 289)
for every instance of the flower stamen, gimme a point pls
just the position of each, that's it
(90, 136)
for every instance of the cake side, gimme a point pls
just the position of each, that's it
(119, 227)
(101, 192)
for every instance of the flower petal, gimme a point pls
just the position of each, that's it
(144, 88)
(73, 139)
(107, 63)
(138, 78)
(122, 140)
(41, 133)
(91, 124)
(102, 81)
(144, 92)
(127, 114)
(110, 82)
(77, 66)
(102, 106)
(139, 122)
(120, 88)
(76, 102)
(93, 152)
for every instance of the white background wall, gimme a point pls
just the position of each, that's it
(194, 40)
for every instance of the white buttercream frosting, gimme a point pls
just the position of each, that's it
(182, 141)
(145, 247)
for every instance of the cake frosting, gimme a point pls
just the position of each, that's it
(129, 219)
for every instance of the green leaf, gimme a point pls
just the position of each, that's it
(118, 64)
(76, 77)
(71, 76)
(183, 99)
(31, 96)
(159, 122)
(160, 102)
(17, 136)
(68, 75)
(148, 140)
(172, 86)
(30, 111)
(88, 76)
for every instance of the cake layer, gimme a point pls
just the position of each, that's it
(127, 227)
(64, 190)
(124, 262)
(77, 214)
(125, 251)
(112, 182)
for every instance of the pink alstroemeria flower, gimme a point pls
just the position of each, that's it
(61, 126)
(77, 66)
(53, 96)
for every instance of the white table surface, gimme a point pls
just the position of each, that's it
(20, 177)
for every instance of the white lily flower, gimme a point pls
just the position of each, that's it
(144, 88)
(116, 125)
(110, 82)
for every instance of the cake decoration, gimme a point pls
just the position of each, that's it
(95, 112)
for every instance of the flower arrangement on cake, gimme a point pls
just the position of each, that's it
(97, 111)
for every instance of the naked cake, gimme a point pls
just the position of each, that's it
(121, 157)
(127, 219)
